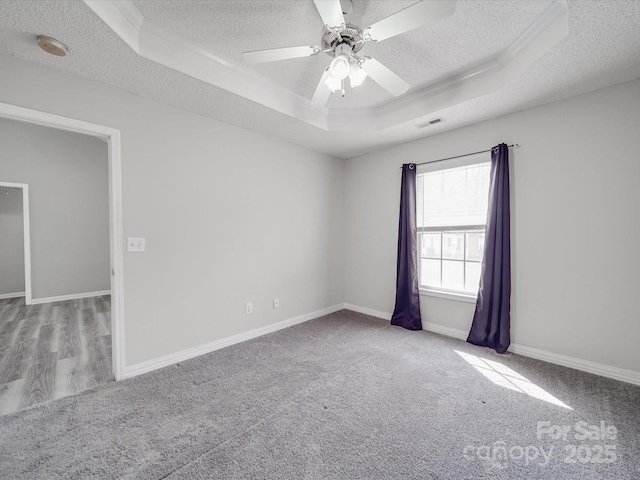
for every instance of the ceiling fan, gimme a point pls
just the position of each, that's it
(343, 41)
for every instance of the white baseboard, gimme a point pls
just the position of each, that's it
(73, 296)
(431, 327)
(448, 331)
(608, 371)
(11, 295)
(603, 370)
(367, 311)
(166, 360)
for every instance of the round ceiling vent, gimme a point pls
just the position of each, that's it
(52, 46)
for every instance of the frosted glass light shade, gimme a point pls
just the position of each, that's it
(333, 83)
(356, 76)
(340, 67)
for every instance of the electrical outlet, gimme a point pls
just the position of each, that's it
(276, 302)
(248, 308)
(135, 244)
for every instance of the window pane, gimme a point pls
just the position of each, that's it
(455, 196)
(452, 212)
(430, 245)
(430, 273)
(473, 276)
(432, 199)
(453, 245)
(475, 246)
(453, 275)
(477, 193)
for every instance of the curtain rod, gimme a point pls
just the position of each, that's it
(515, 145)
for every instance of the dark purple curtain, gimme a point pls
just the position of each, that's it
(491, 321)
(407, 310)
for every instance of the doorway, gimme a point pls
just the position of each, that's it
(15, 215)
(112, 137)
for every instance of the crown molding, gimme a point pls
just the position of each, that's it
(150, 41)
(174, 52)
(122, 17)
(533, 44)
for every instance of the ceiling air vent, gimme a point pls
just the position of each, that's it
(428, 123)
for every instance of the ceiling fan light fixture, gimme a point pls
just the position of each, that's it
(340, 66)
(356, 75)
(342, 38)
(333, 83)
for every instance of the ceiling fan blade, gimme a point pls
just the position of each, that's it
(322, 92)
(331, 12)
(417, 15)
(384, 77)
(275, 54)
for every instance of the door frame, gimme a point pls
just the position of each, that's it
(26, 236)
(116, 239)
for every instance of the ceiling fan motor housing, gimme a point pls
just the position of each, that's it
(351, 36)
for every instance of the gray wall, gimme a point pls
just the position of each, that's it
(232, 216)
(11, 241)
(67, 174)
(575, 225)
(229, 216)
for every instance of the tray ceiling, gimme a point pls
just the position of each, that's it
(489, 58)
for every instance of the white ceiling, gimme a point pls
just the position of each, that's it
(521, 53)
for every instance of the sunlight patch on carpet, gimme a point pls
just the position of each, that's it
(504, 376)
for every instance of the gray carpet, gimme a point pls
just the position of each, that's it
(342, 396)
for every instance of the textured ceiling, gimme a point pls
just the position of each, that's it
(422, 56)
(601, 50)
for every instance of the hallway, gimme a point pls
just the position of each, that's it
(51, 350)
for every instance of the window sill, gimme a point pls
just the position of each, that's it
(459, 297)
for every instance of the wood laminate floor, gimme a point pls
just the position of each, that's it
(51, 350)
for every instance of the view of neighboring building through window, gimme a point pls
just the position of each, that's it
(452, 202)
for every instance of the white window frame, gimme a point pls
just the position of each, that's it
(445, 165)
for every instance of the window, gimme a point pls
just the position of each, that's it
(452, 200)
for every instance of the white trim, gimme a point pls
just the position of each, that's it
(11, 295)
(162, 46)
(36, 117)
(458, 88)
(447, 331)
(73, 296)
(601, 369)
(27, 245)
(432, 327)
(458, 297)
(608, 371)
(551, 28)
(26, 233)
(116, 246)
(172, 358)
(151, 41)
(123, 18)
(367, 311)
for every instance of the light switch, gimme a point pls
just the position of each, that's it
(135, 244)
